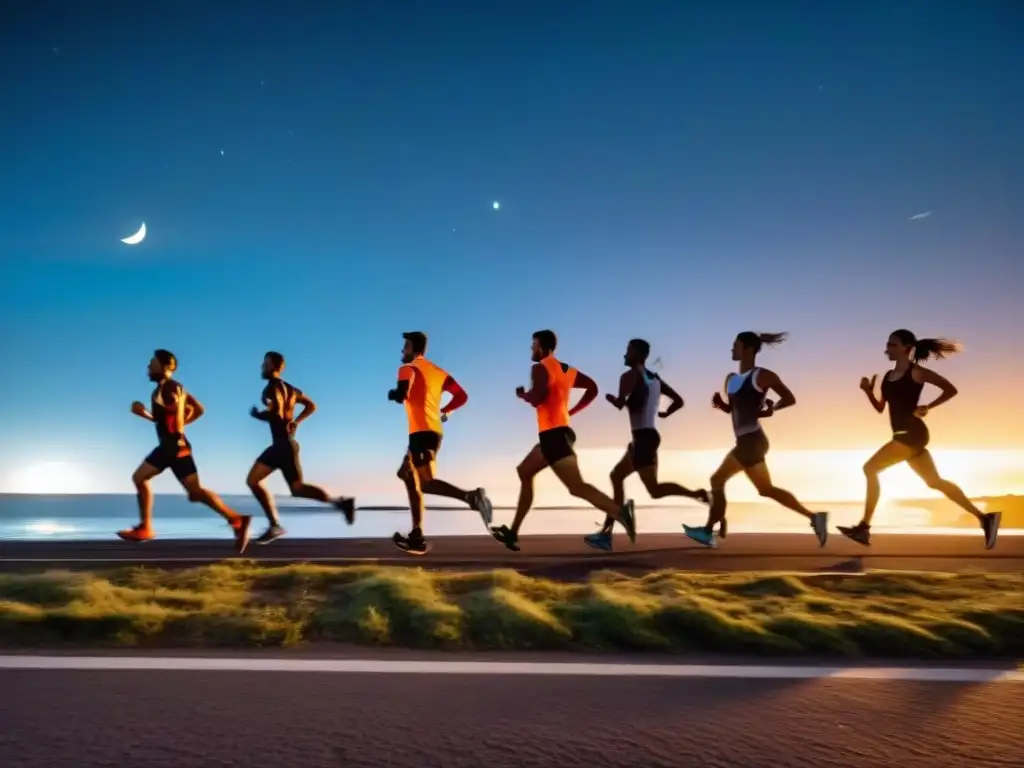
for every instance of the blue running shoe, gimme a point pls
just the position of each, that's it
(700, 534)
(599, 540)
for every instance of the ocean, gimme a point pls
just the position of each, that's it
(97, 517)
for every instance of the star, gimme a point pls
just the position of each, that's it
(496, 205)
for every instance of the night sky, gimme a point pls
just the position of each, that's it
(317, 178)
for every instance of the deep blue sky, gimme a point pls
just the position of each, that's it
(676, 170)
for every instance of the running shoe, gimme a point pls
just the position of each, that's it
(137, 534)
(347, 506)
(273, 533)
(861, 533)
(700, 534)
(506, 536)
(990, 525)
(240, 526)
(819, 523)
(628, 520)
(479, 502)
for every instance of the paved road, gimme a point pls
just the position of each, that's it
(197, 719)
(555, 556)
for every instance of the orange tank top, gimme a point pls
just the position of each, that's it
(553, 411)
(423, 402)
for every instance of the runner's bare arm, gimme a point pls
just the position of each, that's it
(724, 404)
(675, 397)
(273, 400)
(627, 383)
(868, 386)
(308, 407)
(140, 410)
(945, 386)
(193, 410)
(538, 386)
(769, 380)
(589, 387)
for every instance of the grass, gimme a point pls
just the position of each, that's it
(922, 615)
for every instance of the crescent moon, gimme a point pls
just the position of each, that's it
(137, 238)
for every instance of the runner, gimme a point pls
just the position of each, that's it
(641, 390)
(551, 387)
(420, 385)
(747, 403)
(901, 389)
(280, 399)
(171, 409)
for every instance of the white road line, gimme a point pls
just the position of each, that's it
(358, 666)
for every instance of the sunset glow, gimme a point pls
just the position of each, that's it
(56, 477)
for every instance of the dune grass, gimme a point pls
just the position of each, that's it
(245, 605)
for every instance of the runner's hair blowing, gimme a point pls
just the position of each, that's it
(924, 349)
(755, 341)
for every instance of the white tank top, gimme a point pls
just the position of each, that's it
(645, 401)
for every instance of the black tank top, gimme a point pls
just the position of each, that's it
(903, 396)
(746, 402)
(280, 398)
(164, 409)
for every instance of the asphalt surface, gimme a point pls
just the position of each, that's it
(553, 556)
(198, 719)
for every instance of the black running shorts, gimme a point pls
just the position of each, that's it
(557, 444)
(175, 458)
(914, 435)
(751, 449)
(424, 447)
(644, 448)
(285, 457)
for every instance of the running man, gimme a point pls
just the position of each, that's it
(552, 383)
(171, 409)
(420, 386)
(640, 391)
(280, 400)
(747, 403)
(901, 389)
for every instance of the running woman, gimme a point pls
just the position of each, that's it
(552, 384)
(420, 387)
(280, 400)
(901, 390)
(640, 392)
(747, 402)
(171, 409)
